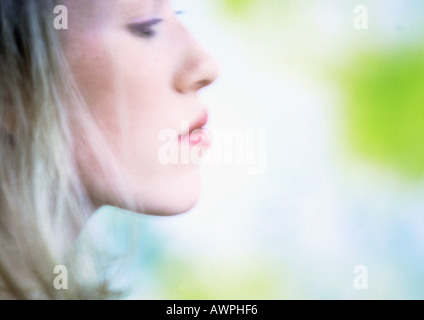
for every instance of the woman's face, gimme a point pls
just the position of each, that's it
(139, 71)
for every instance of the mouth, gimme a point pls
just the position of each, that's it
(196, 133)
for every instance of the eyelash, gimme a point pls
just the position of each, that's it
(144, 29)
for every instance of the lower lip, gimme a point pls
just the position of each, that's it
(199, 137)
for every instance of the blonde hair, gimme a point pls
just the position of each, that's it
(43, 202)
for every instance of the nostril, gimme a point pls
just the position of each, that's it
(203, 83)
(198, 70)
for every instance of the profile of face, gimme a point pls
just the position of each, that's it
(139, 72)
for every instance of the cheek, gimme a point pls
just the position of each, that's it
(133, 82)
(91, 67)
(129, 94)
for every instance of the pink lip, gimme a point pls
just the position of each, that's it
(196, 133)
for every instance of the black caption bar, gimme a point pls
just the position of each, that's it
(175, 309)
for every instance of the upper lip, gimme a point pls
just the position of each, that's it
(200, 121)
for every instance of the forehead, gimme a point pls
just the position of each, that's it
(132, 7)
(98, 9)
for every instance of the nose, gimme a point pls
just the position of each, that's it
(197, 70)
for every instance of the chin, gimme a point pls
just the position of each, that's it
(170, 209)
(169, 206)
(165, 197)
(165, 207)
(172, 197)
(172, 203)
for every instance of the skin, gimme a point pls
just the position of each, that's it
(136, 82)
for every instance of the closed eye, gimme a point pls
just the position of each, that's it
(144, 29)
